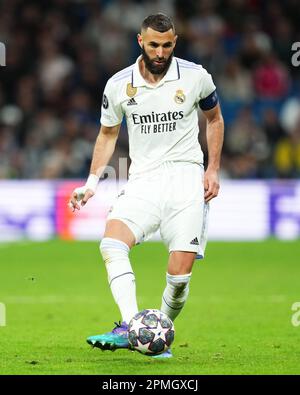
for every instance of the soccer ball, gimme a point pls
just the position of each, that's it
(151, 332)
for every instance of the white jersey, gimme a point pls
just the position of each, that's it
(162, 120)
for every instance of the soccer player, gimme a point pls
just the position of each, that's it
(168, 188)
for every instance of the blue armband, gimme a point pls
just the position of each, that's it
(209, 102)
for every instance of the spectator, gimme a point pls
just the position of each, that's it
(271, 78)
(235, 83)
(246, 142)
(60, 54)
(287, 154)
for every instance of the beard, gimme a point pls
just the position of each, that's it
(156, 68)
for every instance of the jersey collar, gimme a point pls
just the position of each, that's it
(171, 75)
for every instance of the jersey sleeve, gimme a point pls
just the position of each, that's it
(111, 110)
(207, 97)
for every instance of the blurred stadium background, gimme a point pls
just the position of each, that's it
(59, 55)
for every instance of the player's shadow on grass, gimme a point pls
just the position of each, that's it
(131, 360)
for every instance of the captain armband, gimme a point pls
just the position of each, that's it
(209, 102)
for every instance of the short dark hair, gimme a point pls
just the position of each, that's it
(159, 22)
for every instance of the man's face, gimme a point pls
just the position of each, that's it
(157, 49)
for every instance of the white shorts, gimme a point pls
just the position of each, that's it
(170, 198)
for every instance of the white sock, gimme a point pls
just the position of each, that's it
(120, 276)
(175, 294)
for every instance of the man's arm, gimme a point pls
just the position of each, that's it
(103, 151)
(215, 136)
(104, 148)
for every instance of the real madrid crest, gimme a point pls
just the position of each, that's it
(130, 90)
(179, 96)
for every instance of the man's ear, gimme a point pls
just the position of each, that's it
(175, 40)
(140, 40)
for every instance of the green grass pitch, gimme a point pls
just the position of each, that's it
(237, 319)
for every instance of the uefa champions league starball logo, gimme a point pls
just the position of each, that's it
(151, 332)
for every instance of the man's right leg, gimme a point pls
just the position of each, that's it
(114, 247)
(135, 215)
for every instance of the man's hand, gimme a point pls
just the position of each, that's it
(82, 194)
(211, 184)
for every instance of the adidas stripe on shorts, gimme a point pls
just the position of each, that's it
(171, 199)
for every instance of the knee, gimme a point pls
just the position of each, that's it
(181, 263)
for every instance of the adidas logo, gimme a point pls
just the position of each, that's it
(195, 241)
(131, 102)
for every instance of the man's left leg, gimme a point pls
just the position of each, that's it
(177, 288)
(178, 278)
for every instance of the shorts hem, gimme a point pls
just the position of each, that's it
(199, 253)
